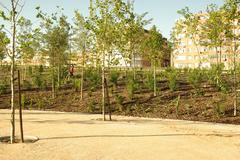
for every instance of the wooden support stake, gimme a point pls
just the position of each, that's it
(20, 107)
(108, 100)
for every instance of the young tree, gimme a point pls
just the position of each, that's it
(132, 33)
(81, 43)
(213, 31)
(153, 49)
(55, 42)
(28, 42)
(104, 21)
(190, 26)
(12, 16)
(232, 19)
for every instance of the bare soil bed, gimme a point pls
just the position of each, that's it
(75, 136)
(212, 106)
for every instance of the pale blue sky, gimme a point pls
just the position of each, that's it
(164, 12)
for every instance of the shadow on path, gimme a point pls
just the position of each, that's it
(139, 136)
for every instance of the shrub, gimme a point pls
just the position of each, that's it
(30, 71)
(114, 76)
(172, 76)
(38, 81)
(215, 77)
(3, 85)
(40, 69)
(119, 99)
(93, 79)
(27, 84)
(3, 88)
(149, 81)
(132, 86)
(77, 84)
(219, 109)
(91, 106)
(195, 78)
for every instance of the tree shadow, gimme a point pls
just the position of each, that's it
(141, 136)
(116, 136)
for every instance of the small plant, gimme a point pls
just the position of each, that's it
(77, 84)
(219, 109)
(172, 77)
(132, 86)
(38, 81)
(149, 81)
(3, 88)
(40, 104)
(3, 85)
(215, 77)
(30, 71)
(93, 79)
(119, 99)
(40, 69)
(91, 106)
(27, 84)
(195, 78)
(114, 76)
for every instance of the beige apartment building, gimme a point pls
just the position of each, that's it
(190, 54)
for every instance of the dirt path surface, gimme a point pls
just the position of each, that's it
(73, 136)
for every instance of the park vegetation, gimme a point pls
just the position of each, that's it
(97, 45)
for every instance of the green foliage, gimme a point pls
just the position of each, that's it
(38, 81)
(41, 69)
(195, 77)
(27, 84)
(149, 80)
(40, 104)
(3, 85)
(114, 76)
(93, 79)
(220, 105)
(30, 70)
(3, 88)
(215, 77)
(172, 76)
(4, 41)
(119, 99)
(38, 78)
(77, 84)
(91, 106)
(132, 87)
(23, 101)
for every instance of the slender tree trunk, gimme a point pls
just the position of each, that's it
(134, 66)
(217, 55)
(154, 77)
(20, 107)
(58, 76)
(82, 74)
(235, 79)
(108, 100)
(53, 84)
(220, 54)
(103, 87)
(199, 56)
(12, 137)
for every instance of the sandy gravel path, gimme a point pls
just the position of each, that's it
(73, 136)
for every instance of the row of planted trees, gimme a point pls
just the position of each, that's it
(216, 29)
(112, 29)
